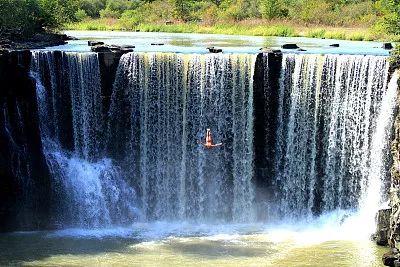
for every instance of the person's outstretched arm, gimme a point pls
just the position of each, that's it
(215, 145)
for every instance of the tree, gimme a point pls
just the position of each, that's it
(183, 9)
(390, 15)
(271, 9)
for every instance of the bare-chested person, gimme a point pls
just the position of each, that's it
(209, 143)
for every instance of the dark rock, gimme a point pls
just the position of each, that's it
(110, 48)
(269, 50)
(266, 104)
(127, 46)
(16, 41)
(301, 50)
(212, 49)
(157, 44)
(95, 43)
(389, 258)
(382, 227)
(334, 45)
(21, 207)
(290, 46)
(5, 46)
(387, 46)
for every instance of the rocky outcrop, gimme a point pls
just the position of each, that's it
(391, 257)
(266, 102)
(383, 224)
(15, 41)
(394, 191)
(102, 48)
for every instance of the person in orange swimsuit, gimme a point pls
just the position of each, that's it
(209, 143)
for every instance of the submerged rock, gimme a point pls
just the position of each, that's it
(334, 45)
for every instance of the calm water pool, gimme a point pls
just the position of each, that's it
(166, 244)
(197, 43)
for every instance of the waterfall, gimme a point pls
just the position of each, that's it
(88, 190)
(161, 106)
(332, 142)
(138, 157)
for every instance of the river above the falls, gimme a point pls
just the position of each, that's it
(181, 244)
(197, 43)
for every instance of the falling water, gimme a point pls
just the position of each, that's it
(331, 138)
(88, 191)
(334, 117)
(160, 108)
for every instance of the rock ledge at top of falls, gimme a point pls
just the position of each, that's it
(103, 48)
(12, 40)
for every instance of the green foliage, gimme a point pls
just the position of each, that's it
(80, 15)
(390, 19)
(271, 9)
(238, 10)
(92, 7)
(115, 8)
(30, 16)
(394, 58)
(382, 15)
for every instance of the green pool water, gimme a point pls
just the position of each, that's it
(139, 247)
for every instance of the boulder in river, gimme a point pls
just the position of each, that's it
(387, 46)
(95, 43)
(212, 49)
(111, 48)
(334, 45)
(290, 46)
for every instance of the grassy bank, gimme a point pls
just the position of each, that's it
(252, 28)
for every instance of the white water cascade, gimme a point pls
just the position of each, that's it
(140, 159)
(160, 108)
(88, 191)
(333, 132)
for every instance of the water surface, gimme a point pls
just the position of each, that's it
(166, 244)
(197, 43)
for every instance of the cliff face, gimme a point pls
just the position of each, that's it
(394, 192)
(24, 177)
(25, 182)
